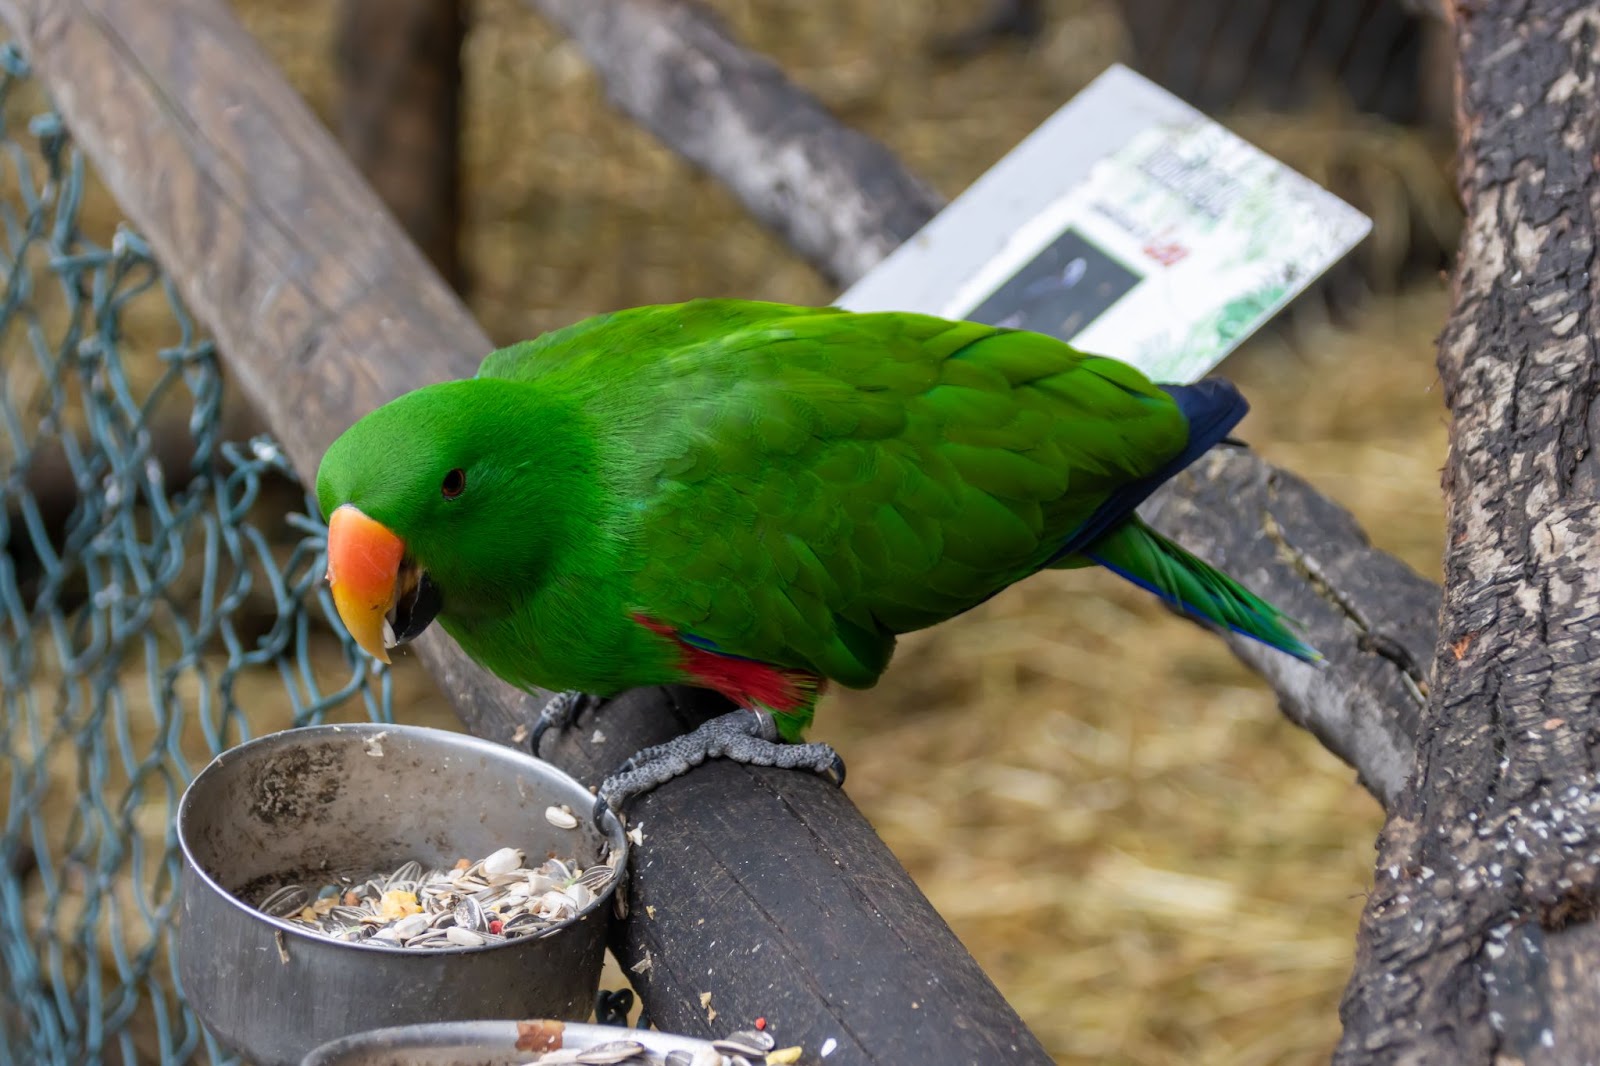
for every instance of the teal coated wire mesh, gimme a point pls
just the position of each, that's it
(160, 600)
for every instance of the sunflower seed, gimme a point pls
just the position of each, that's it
(465, 938)
(608, 1054)
(580, 895)
(487, 896)
(502, 862)
(750, 1042)
(407, 875)
(469, 915)
(561, 818)
(523, 921)
(408, 927)
(556, 906)
(597, 877)
(431, 938)
(290, 899)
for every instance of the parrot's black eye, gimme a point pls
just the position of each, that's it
(455, 483)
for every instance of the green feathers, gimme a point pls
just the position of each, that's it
(790, 485)
(1143, 556)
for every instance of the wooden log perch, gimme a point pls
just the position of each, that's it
(1371, 615)
(324, 309)
(1479, 942)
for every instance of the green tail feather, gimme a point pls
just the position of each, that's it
(1151, 561)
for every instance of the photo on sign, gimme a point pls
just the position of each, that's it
(1060, 291)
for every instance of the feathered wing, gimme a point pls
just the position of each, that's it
(811, 483)
(619, 347)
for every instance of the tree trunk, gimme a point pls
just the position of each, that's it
(1479, 942)
(400, 114)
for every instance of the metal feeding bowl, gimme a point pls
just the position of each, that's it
(507, 1043)
(345, 805)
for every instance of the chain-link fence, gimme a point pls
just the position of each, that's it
(155, 607)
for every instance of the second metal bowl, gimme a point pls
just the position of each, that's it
(482, 1044)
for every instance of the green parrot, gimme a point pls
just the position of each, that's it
(757, 499)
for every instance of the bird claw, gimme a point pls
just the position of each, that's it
(562, 710)
(749, 737)
(601, 809)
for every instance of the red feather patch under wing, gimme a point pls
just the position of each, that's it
(744, 681)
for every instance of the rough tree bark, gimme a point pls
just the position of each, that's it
(399, 65)
(1479, 942)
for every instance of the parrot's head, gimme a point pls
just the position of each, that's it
(440, 502)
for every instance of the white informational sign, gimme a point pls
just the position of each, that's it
(1128, 224)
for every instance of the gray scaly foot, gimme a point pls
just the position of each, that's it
(562, 710)
(749, 737)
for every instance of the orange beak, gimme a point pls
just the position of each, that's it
(364, 574)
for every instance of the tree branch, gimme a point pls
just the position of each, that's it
(1368, 612)
(1478, 943)
(839, 198)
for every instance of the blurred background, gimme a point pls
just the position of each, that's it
(1151, 863)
